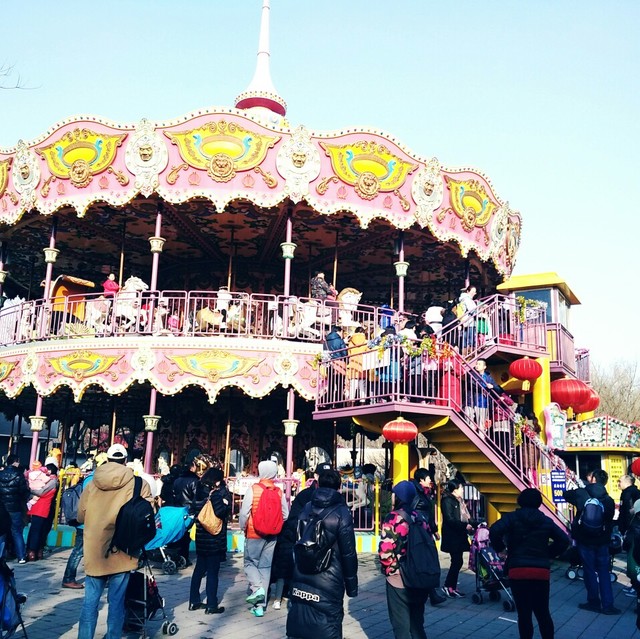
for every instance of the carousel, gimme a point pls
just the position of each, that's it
(156, 277)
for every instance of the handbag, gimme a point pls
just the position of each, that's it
(209, 520)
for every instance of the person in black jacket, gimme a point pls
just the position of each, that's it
(424, 505)
(456, 526)
(525, 533)
(594, 546)
(317, 600)
(628, 497)
(631, 545)
(211, 550)
(14, 493)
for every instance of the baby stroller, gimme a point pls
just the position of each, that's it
(489, 569)
(142, 602)
(171, 524)
(10, 603)
(575, 570)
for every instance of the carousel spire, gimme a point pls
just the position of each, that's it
(261, 93)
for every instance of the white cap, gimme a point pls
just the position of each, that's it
(117, 452)
(51, 460)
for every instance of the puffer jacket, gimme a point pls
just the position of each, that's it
(526, 533)
(14, 490)
(206, 543)
(184, 490)
(628, 498)
(578, 498)
(454, 531)
(317, 600)
(425, 506)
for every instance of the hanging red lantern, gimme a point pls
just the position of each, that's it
(569, 393)
(527, 370)
(400, 431)
(591, 404)
(635, 467)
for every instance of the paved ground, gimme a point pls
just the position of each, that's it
(53, 612)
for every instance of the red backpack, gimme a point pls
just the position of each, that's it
(267, 516)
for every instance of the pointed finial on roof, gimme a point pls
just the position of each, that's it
(261, 92)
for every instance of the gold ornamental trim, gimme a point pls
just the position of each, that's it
(5, 165)
(81, 365)
(6, 368)
(215, 364)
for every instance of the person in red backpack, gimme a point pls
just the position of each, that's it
(259, 518)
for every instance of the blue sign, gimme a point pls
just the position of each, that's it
(558, 486)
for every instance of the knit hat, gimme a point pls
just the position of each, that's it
(35, 464)
(267, 469)
(322, 467)
(405, 492)
(530, 498)
(51, 460)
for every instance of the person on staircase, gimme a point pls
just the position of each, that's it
(468, 320)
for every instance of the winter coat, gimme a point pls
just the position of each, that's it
(630, 543)
(526, 533)
(221, 499)
(424, 505)
(336, 345)
(14, 491)
(250, 503)
(5, 520)
(184, 490)
(99, 504)
(42, 508)
(317, 600)
(628, 497)
(578, 498)
(454, 531)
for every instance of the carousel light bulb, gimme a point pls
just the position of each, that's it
(50, 255)
(151, 422)
(288, 249)
(401, 268)
(290, 427)
(3, 276)
(157, 243)
(37, 423)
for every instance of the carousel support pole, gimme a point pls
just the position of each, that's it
(37, 424)
(290, 429)
(121, 264)
(156, 242)
(50, 256)
(467, 273)
(230, 266)
(288, 250)
(227, 452)
(3, 272)
(150, 425)
(335, 261)
(401, 271)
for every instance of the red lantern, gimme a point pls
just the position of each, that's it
(528, 370)
(635, 467)
(569, 393)
(591, 404)
(400, 431)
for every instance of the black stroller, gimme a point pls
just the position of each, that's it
(489, 569)
(143, 602)
(575, 569)
(10, 603)
(171, 524)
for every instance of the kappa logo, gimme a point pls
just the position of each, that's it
(307, 596)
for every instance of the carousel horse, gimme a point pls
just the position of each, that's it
(314, 456)
(97, 313)
(11, 321)
(348, 299)
(127, 309)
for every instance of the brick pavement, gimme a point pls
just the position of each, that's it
(53, 612)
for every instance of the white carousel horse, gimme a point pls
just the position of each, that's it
(97, 313)
(314, 456)
(348, 299)
(127, 308)
(11, 321)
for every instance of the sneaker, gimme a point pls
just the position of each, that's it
(436, 598)
(257, 611)
(452, 593)
(611, 611)
(218, 610)
(22, 561)
(629, 592)
(589, 606)
(257, 596)
(457, 593)
(277, 604)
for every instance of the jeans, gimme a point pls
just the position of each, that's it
(595, 563)
(406, 612)
(71, 569)
(37, 530)
(532, 597)
(205, 565)
(17, 533)
(93, 587)
(258, 556)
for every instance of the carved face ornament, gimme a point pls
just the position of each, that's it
(221, 167)
(367, 186)
(145, 152)
(299, 159)
(80, 175)
(25, 172)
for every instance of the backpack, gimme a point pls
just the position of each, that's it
(267, 516)
(10, 602)
(135, 524)
(314, 543)
(420, 565)
(69, 503)
(591, 518)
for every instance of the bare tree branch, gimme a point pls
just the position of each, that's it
(6, 71)
(619, 390)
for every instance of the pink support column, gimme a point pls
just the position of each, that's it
(3, 273)
(288, 248)
(290, 426)
(36, 423)
(401, 271)
(50, 254)
(148, 449)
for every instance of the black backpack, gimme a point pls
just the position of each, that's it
(69, 503)
(420, 565)
(591, 519)
(135, 524)
(314, 543)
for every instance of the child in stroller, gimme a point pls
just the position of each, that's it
(171, 524)
(489, 569)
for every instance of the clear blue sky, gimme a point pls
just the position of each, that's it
(540, 95)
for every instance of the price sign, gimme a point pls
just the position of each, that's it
(558, 486)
